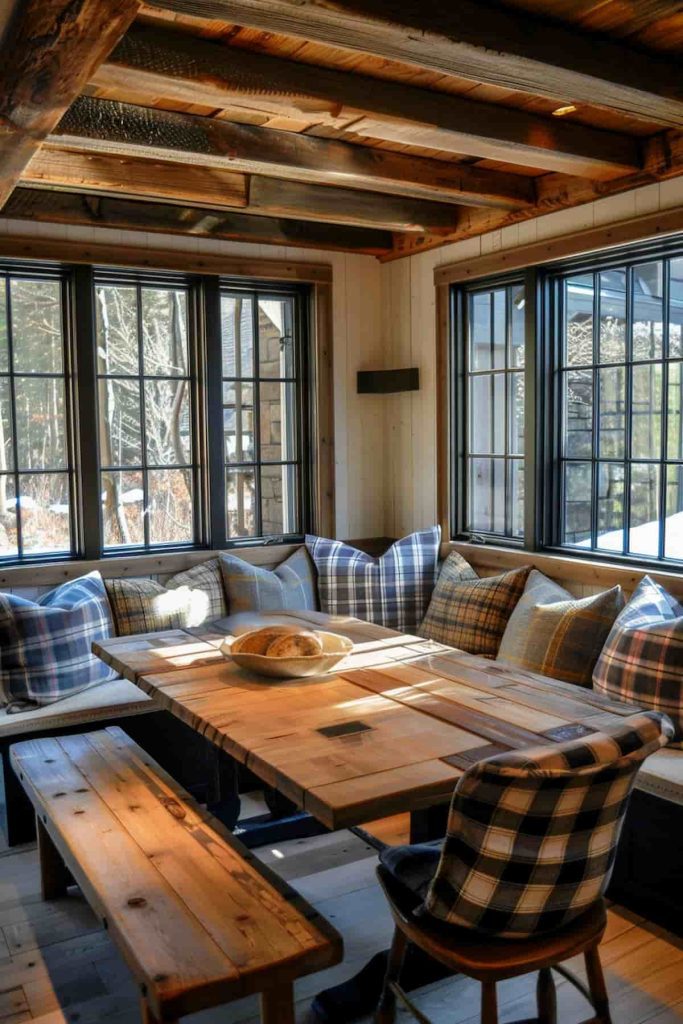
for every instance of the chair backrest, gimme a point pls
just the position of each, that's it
(532, 834)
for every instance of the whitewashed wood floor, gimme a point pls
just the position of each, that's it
(58, 966)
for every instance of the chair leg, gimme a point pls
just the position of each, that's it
(596, 984)
(489, 1003)
(386, 1010)
(277, 1005)
(546, 997)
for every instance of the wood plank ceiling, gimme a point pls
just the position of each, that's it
(379, 126)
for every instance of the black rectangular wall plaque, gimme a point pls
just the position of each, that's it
(385, 382)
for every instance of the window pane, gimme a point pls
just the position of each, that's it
(645, 526)
(487, 414)
(164, 332)
(6, 447)
(275, 338)
(578, 405)
(673, 537)
(123, 499)
(646, 416)
(167, 422)
(517, 493)
(241, 498)
(4, 351)
(37, 343)
(647, 311)
(116, 318)
(487, 495)
(675, 411)
(577, 503)
(277, 422)
(119, 426)
(44, 513)
(517, 337)
(613, 316)
(8, 518)
(612, 438)
(170, 506)
(676, 309)
(579, 320)
(516, 405)
(611, 507)
(238, 422)
(237, 325)
(279, 500)
(480, 331)
(41, 429)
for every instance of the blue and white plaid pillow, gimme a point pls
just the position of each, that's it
(45, 647)
(642, 660)
(392, 591)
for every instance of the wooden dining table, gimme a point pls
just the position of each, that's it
(390, 730)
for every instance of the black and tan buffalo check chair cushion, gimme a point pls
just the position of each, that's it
(471, 613)
(532, 834)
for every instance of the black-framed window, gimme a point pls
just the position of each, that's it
(264, 413)
(37, 508)
(492, 473)
(145, 400)
(603, 381)
(620, 400)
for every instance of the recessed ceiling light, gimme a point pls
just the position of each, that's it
(561, 111)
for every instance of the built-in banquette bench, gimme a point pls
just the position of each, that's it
(199, 921)
(649, 869)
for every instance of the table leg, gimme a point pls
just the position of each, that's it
(428, 823)
(223, 797)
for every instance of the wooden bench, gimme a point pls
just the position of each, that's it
(198, 920)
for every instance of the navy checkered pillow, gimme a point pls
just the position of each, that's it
(642, 660)
(392, 591)
(45, 647)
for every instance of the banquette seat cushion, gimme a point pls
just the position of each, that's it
(118, 698)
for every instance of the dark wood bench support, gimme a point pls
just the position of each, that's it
(55, 877)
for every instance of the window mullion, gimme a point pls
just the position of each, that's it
(84, 375)
(212, 373)
(533, 419)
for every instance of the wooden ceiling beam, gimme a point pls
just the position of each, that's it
(222, 225)
(50, 49)
(217, 189)
(511, 49)
(105, 126)
(151, 61)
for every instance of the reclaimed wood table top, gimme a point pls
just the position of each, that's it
(391, 730)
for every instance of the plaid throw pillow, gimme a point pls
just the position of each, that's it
(471, 613)
(205, 577)
(532, 834)
(290, 587)
(557, 635)
(642, 660)
(46, 645)
(145, 606)
(392, 591)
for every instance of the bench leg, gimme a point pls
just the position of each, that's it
(277, 1005)
(18, 807)
(149, 1018)
(54, 874)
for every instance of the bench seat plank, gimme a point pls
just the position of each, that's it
(198, 920)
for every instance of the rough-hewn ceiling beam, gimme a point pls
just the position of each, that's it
(50, 49)
(151, 61)
(492, 45)
(217, 189)
(104, 126)
(124, 214)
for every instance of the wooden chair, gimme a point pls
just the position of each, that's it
(492, 960)
(532, 837)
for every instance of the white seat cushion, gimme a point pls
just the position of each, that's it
(662, 775)
(115, 699)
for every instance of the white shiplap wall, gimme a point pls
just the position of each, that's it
(409, 339)
(359, 420)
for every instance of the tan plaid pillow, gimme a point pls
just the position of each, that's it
(208, 578)
(471, 614)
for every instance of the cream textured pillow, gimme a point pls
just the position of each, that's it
(559, 638)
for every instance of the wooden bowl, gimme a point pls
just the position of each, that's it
(335, 649)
